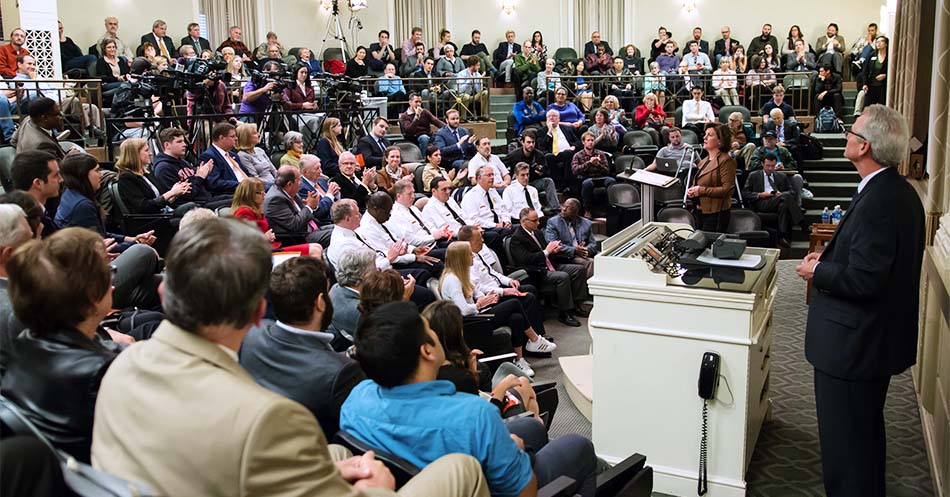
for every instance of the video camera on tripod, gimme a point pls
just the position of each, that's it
(341, 89)
(281, 78)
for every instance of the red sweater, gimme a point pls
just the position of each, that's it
(643, 115)
(245, 212)
(8, 57)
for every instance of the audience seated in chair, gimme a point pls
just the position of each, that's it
(297, 345)
(485, 205)
(227, 170)
(537, 166)
(590, 165)
(350, 270)
(37, 174)
(484, 158)
(217, 275)
(785, 131)
(520, 193)
(402, 357)
(371, 146)
(527, 112)
(771, 191)
(455, 142)
(558, 142)
(770, 146)
(576, 235)
(408, 223)
(248, 204)
(350, 185)
(434, 169)
(416, 123)
(138, 186)
(34, 133)
(377, 236)
(292, 219)
(777, 101)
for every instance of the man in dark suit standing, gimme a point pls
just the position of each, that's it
(771, 191)
(863, 316)
(227, 171)
(194, 39)
(296, 345)
(558, 142)
(291, 219)
(372, 146)
(163, 44)
(530, 252)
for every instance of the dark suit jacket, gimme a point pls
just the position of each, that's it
(290, 225)
(525, 253)
(545, 141)
(755, 184)
(448, 145)
(372, 154)
(201, 45)
(279, 359)
(167, 40)
(348, 189)
(703, 47)
(721, 47)
(322, 213)
(832, 84)
(139, 198)
(789, 129)
(863, 315)
(590, 48)
(501, 53)
(104, 70)
(221, 180)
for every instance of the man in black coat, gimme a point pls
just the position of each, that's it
(296, 346)
(291, 219)
(534, 158)
(163, 44)
(352, 186)
(591, 46)
(771, 191)
(558, 158)
(863, 315)
(725, 46)
(504, 56)
(194, 39)
(170, 167)
(827, 90)
(372, 145)
(529, 251)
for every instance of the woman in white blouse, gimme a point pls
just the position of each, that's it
(456, 285)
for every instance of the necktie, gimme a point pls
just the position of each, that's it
(547, 261)
(238, 172)
(358, 237)
(527, 198)
(455, 214)
(420, 221)
(554, 147)
(570, 228)
(391, 237)
(294, 202)
(457, 137)
(491, 206)
(488, 268)
(379, 141)
(161, 47)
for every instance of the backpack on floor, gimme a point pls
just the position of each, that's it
(810, 148)
(826, 121)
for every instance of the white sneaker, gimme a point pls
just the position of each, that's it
(523, 365)
(542, 345)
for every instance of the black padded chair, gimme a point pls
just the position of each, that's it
(640, 143)
(132, 224)
(676, 215)
(275, 158)
(628, 163)
(6, 167)
(417, 178)
(745, 224)
(409, 153)
(624, 207)
(402, 470)
(729, 109)
(690, 137)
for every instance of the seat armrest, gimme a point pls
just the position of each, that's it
(557, 488)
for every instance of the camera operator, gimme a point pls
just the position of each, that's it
(257, 94)
(213, 99)
(124, 100)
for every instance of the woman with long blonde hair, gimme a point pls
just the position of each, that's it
(456, 285)
(251, 155)
(248, 204)
(138, 187)
(329, 147)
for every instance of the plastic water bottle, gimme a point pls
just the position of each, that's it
(836, 215)
(825, 216)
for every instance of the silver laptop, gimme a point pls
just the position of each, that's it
(667, 166)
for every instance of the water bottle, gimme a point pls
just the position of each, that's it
(825, 216)
(836, 215)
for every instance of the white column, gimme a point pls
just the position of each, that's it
(449, 17)
(38, 18)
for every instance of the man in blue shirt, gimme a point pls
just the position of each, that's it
(527, 111)
(403, 409)
(391, 87)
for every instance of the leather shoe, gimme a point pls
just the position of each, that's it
(568, 319)
(582, 311)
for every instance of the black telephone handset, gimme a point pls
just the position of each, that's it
(708, 382)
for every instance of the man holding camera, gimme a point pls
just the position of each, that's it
(258, 91)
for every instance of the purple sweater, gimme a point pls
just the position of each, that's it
(569, 112)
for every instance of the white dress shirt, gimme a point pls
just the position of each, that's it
(492, 161)
(488, 255)
(867, 179)
(437, 214)
(451, 289)
(404, 224)
(562, 141)
(239, 173)
(514, 197)
(343, 240)
(475, 204)
(380, 238)
(697, 112)
(485, 279)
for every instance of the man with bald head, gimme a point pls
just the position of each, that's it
(576, 235)
(558, 142)
(351, 185)
(293, 220)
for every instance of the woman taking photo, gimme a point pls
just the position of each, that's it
(61, 289)
(715, 180)
(251, 155)
(651, 118)
(137, 185)
(329, 147)
(248, 204)
(455, 285)
(356, 67)
(875, 74)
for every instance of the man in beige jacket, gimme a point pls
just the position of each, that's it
(179, 413)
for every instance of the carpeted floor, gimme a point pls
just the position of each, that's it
(786, 462)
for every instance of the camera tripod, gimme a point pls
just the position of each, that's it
(334, 23)
(269, 126)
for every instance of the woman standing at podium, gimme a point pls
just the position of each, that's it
(715, 180)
